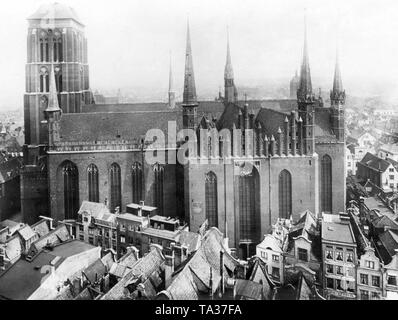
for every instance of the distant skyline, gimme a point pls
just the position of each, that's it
(129, 43)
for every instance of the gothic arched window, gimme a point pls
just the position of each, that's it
(44, 56)
(71, 189)
(285, 194)
(248, 221)
(211, 199)
(115, 187)
(92, 177)
(136, 177)
(159, 181)
(326, 184)
(57, 47)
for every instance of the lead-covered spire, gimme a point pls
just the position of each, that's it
(337, 95)
(228, 71)
(337, 82)
(189, 96)
(305, 86)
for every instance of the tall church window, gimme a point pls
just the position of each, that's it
(211, 199)
(159, 182)
(92, 177)
(44, 56)
(116, 187)
(57, 48)
(136, 172)
(247, 206)
(326, 184)
(71, 189)
(285, 194)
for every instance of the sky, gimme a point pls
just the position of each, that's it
(129, 43)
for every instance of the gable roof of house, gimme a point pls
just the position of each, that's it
(387, 244)
(203, 265)
(374, 162)
(144, 268)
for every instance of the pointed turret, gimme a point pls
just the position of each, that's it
(189, 96)
(306, 100)
(230, 93)
(337, 101)
(189, 102)
(337, 95)
(305, 86)
(228, 71)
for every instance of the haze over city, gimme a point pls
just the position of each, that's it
(265, 39)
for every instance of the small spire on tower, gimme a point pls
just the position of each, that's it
(228, 71)
(337, 82)
(189, 96)
(305, 87)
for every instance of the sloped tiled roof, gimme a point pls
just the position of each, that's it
(97, 210)
(304, 291)
(56, 236)
(13, 248)
(26, 233)
(95, 271)
(114, 126)
(189, 239)
(271, 121)
(185, 284)
(259, 272)
(41, 228)
(389, 242)
(323, 128)
(374, 162)
(248, 289)
(55, 11)
(143, 267)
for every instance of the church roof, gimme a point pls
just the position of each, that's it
(55, 11)
(323, 126)
(113, 126)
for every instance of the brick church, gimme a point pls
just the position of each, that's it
(289, 156)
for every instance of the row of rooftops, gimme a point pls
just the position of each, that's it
(140, 214)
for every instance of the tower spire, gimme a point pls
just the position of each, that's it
(228, 72)
(189, 96)
(53, 97)
(230, 94)
(337, 82)
(305, 87)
